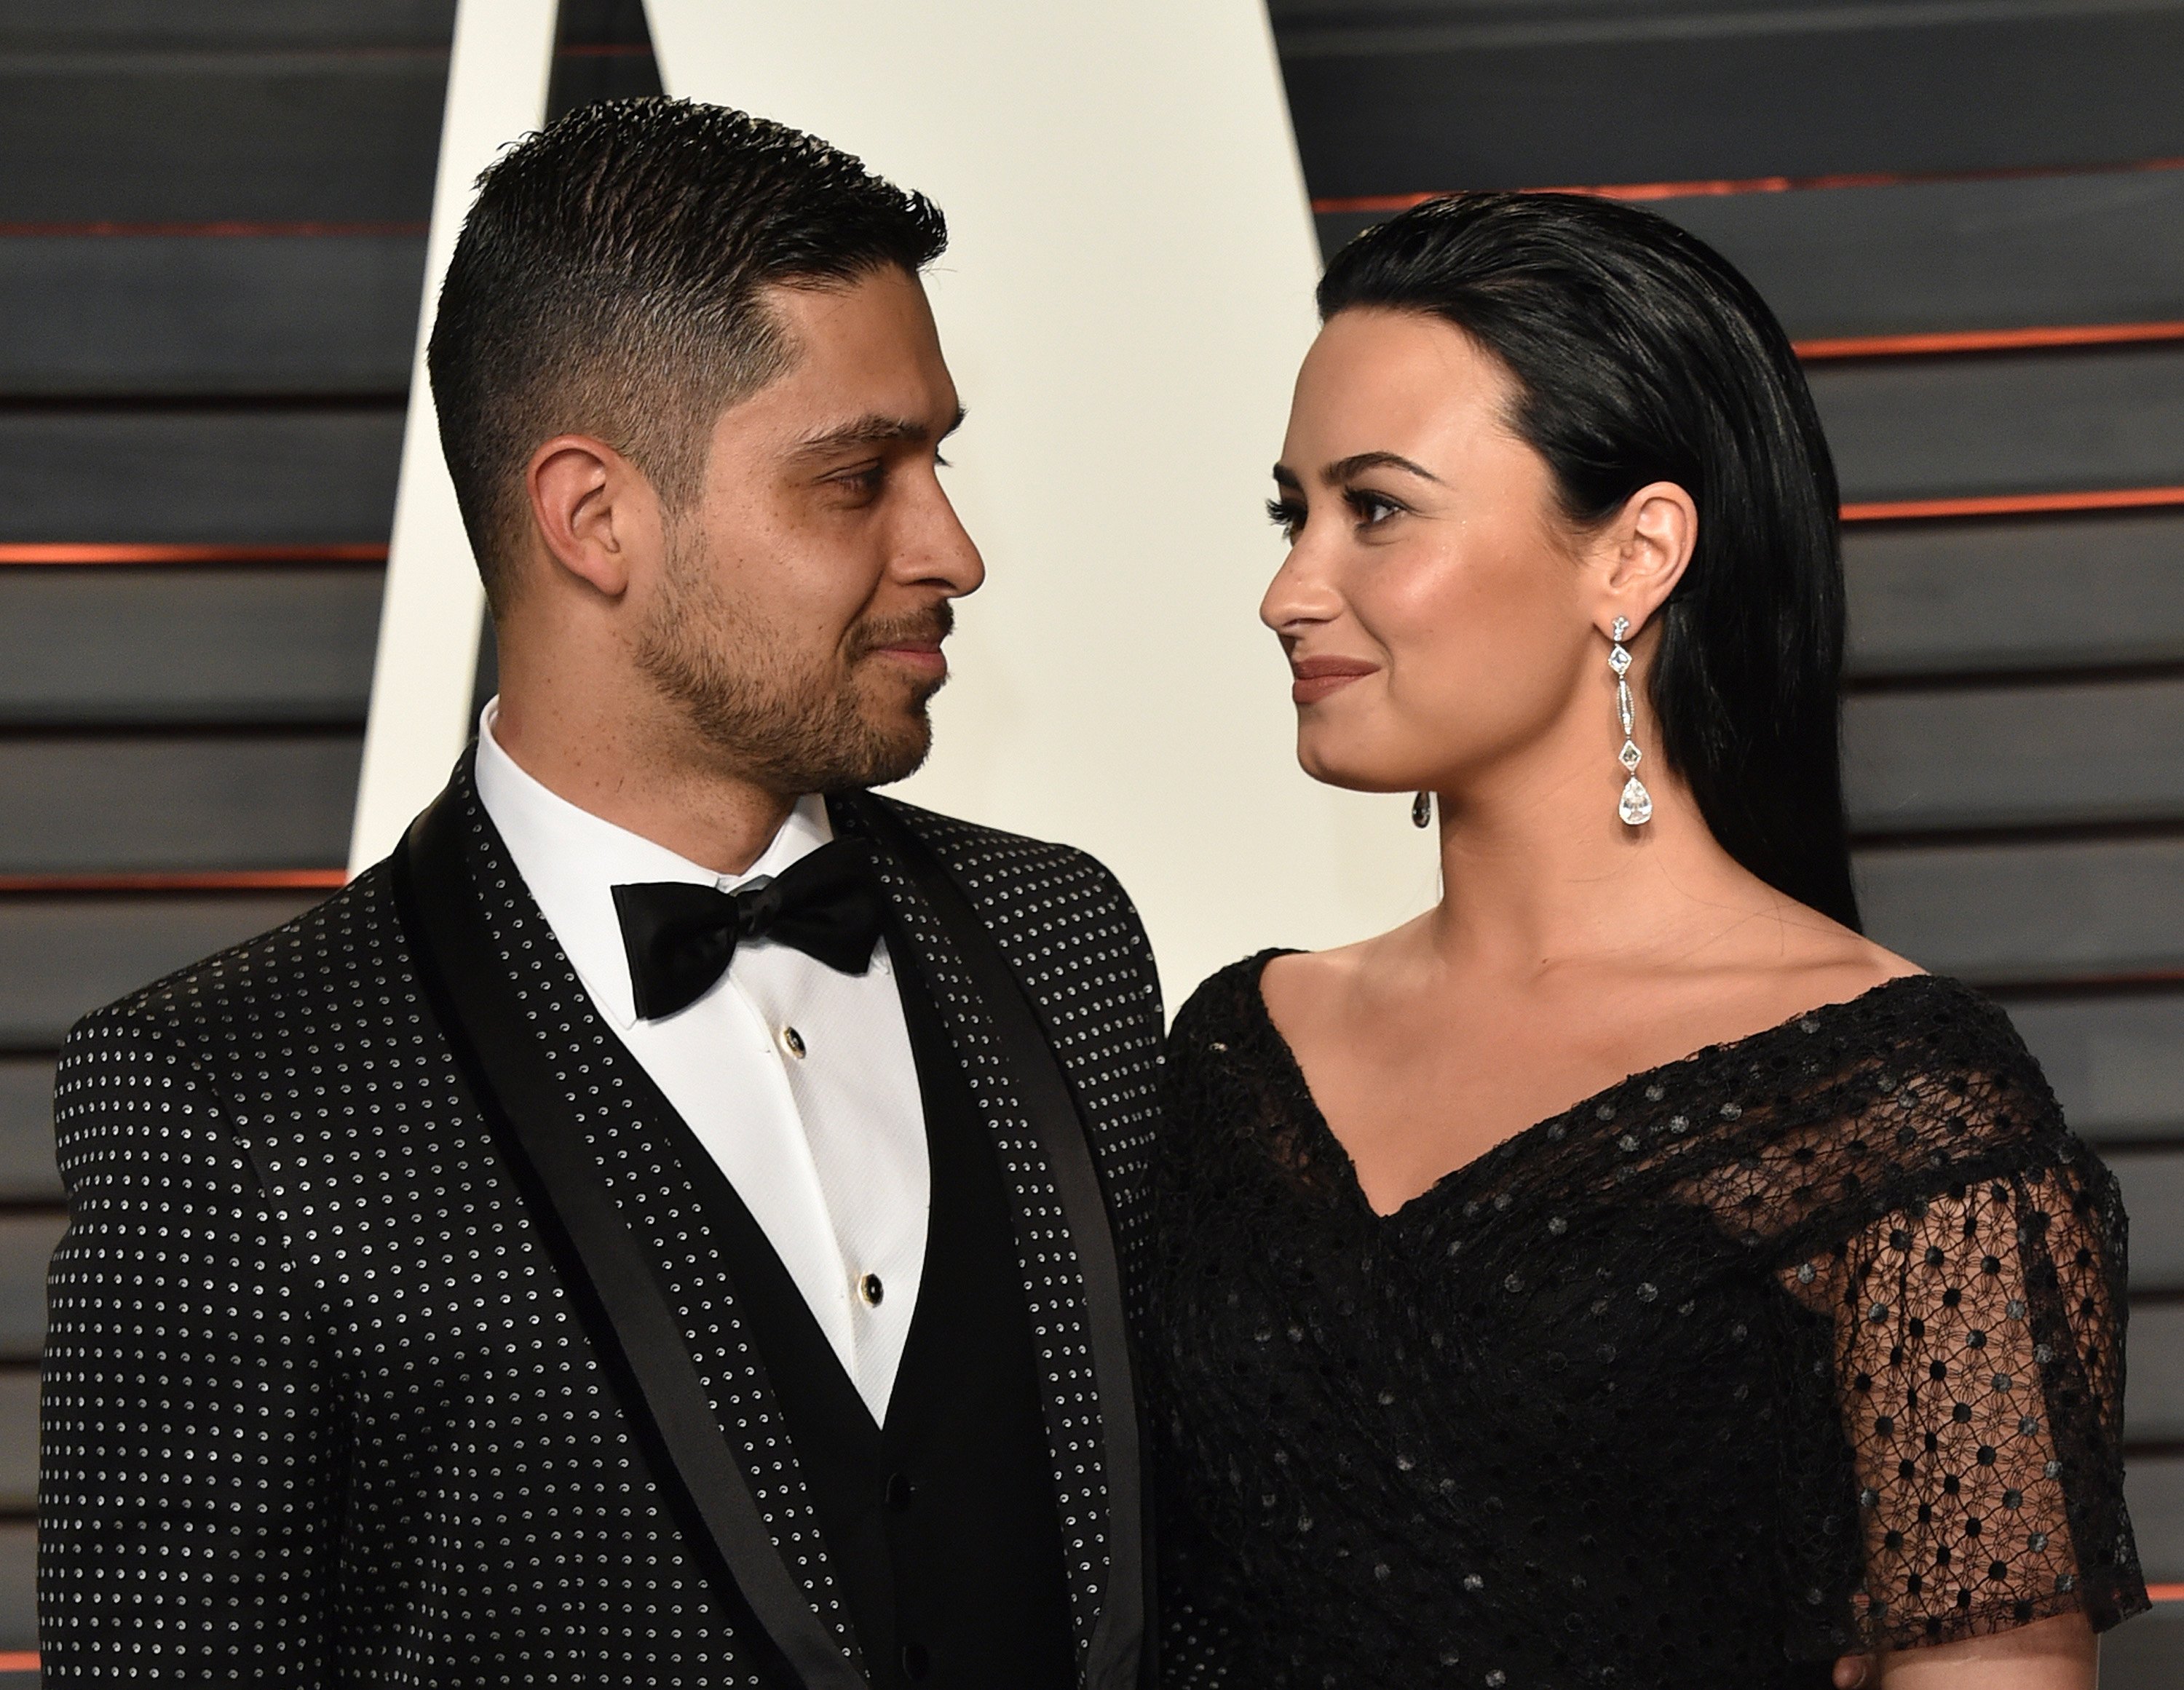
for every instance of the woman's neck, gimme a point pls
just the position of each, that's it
(1539, 872)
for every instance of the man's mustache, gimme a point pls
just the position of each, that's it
(920, 627)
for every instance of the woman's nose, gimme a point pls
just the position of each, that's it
(1299, 595)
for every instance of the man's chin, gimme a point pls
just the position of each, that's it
(893, 751)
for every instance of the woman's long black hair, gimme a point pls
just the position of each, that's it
(1642, 356)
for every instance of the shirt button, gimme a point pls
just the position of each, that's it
(793, 1042)
(898, 1492)
(915, 1662)
(871, 1290)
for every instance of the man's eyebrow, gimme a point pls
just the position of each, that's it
(1344, 468)
(874, 429)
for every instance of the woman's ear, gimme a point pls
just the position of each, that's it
(590, 505)
(1642, 552)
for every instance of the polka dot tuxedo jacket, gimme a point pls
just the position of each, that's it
(318, 1409)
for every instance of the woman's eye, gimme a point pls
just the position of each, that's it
(1372, 508)
(1287, 515)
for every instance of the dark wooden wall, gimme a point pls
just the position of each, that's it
(211, 241)
(1972, 219)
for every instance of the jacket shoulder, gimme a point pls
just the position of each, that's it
(341, 955)
(1053, 908)
(992, 864)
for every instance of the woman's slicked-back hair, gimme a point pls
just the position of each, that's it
(1640, 356)
(608, 282)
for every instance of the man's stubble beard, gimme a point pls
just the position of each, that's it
(787, 730)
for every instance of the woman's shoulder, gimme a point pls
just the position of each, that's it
(1224, 1055)
(1922, 1071)
(1226, 1004)
(1912, 1090)
(1946, 1045)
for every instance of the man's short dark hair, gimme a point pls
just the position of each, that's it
(608, 281)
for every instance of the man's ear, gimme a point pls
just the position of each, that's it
(593, 507)
(1642, 552)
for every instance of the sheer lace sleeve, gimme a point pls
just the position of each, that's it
(1978, 1349)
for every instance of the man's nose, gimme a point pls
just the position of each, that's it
(945, 552)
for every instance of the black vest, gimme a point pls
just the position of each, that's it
(941, 1524)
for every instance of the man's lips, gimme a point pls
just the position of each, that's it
(1319, 677)
(923, 655)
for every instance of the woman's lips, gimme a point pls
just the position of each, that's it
(1319, 677)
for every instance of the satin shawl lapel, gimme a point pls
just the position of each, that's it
(561, 1089)
(1065, 1246)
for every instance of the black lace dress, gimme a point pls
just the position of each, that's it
(1809, 1343)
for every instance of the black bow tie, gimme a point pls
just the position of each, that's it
(682, 937)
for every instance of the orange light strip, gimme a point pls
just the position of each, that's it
(1987, 340)
(1722, 186)
(2165, 1593)
(2011, 504)
(19, 1660)
(72, 553)
(226, 227)
(208, 880)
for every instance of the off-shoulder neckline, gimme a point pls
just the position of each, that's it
(1252, 969)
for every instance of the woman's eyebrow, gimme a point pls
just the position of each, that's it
(1344, 468)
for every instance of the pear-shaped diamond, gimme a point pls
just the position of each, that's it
(1636, 808)
(1619, 661)
(1630, 755)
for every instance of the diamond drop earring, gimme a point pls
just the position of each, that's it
(1636, 805)
(1421, 810)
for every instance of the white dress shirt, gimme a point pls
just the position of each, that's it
(798, 1080)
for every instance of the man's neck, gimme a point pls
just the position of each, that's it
(712, 818)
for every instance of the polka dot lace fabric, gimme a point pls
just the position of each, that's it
(1807, 1343)
(317, 1408)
